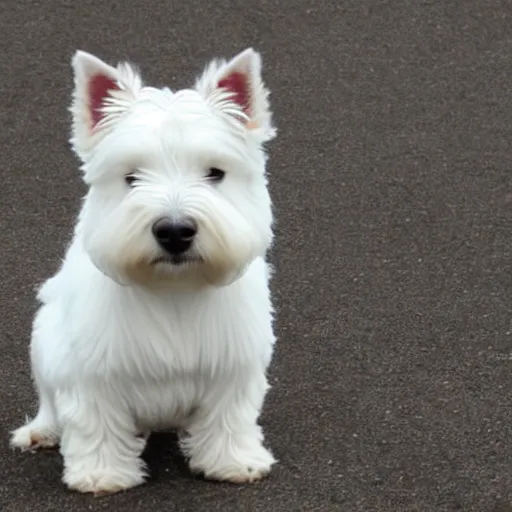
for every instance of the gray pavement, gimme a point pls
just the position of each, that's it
(391, 178)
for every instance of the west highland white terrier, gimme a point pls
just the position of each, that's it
(160, 315)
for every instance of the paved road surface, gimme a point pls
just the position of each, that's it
(392, 382)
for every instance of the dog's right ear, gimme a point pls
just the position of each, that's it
(101, 96)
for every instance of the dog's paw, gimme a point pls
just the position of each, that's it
(241, 475)
(103, 482)
(237, 467)
(30, 438)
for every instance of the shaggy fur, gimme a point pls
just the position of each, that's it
(132, 336)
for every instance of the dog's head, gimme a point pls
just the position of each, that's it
(177, 185)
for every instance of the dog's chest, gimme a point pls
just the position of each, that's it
(160, 338)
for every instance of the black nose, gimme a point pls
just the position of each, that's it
(174, 237)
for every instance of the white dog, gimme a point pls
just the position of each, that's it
(160, 315)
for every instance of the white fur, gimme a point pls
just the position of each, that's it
(121, 346)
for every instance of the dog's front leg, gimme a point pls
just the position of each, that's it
(99, 444)
(224, 441)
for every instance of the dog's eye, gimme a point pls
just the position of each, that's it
(215, 174)
(130, 179)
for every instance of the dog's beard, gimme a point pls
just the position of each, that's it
(123, 248)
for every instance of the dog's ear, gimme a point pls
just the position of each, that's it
(240, 81)
(101, 95)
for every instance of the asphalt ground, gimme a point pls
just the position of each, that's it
(391, 382)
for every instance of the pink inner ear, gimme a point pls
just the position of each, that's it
(99, 86)
(238, 84)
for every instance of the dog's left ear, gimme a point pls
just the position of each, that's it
(240, 78)
(102, 94)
